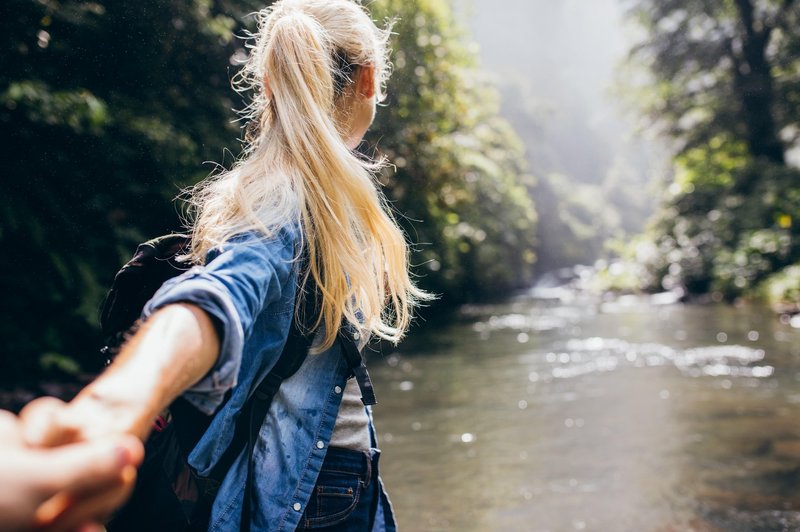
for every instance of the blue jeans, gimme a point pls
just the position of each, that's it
(345, 496)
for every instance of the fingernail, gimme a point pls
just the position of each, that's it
(91, 527)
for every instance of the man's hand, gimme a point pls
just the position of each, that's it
(73, 487)
(169, 353)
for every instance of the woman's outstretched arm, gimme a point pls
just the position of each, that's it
(174, 349)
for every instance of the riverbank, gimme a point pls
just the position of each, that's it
(614, 279)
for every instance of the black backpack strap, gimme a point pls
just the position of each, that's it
(348, 338)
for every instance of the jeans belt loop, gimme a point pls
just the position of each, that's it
(368, 458)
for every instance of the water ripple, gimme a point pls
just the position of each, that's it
(599, 355)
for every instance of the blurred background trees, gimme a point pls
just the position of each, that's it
(723, 85)
(109, 108)
(554, 64)
(460, 186)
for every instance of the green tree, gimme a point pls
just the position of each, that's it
(721, 68)
(460, 186)
(724, 85)
(107, 108)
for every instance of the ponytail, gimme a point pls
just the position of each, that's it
(298, 168)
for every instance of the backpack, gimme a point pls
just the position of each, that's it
(169, 495)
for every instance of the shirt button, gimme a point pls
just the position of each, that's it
(356, 336)
(296, 506)
(338, 389)
(320, 444)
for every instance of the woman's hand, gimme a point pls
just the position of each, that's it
(50, 422)
(73, 487)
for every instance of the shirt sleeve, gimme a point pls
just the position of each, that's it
(239, 279)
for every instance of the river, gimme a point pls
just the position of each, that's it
(585, 415)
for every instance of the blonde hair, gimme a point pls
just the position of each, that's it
(297, 168)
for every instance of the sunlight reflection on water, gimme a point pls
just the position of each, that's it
(568, 416)
(607, 354)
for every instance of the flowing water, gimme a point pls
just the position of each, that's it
(549, 416)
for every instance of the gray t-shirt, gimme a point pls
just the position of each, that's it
(351, 430)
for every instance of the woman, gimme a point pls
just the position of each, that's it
(299, 191)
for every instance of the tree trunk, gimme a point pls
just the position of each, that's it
(755, 88)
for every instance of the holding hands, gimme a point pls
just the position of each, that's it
(68, 466)
(72, 487)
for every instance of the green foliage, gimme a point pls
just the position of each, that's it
(724, 85)
(460, 186)
(579, 221)
(782, 290)
(107, 108)
(720, 68)
(725, 239)
(110, 108)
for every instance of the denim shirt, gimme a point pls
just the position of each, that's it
(248, 285)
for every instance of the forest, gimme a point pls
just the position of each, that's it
(723, 87)
(111, 109)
